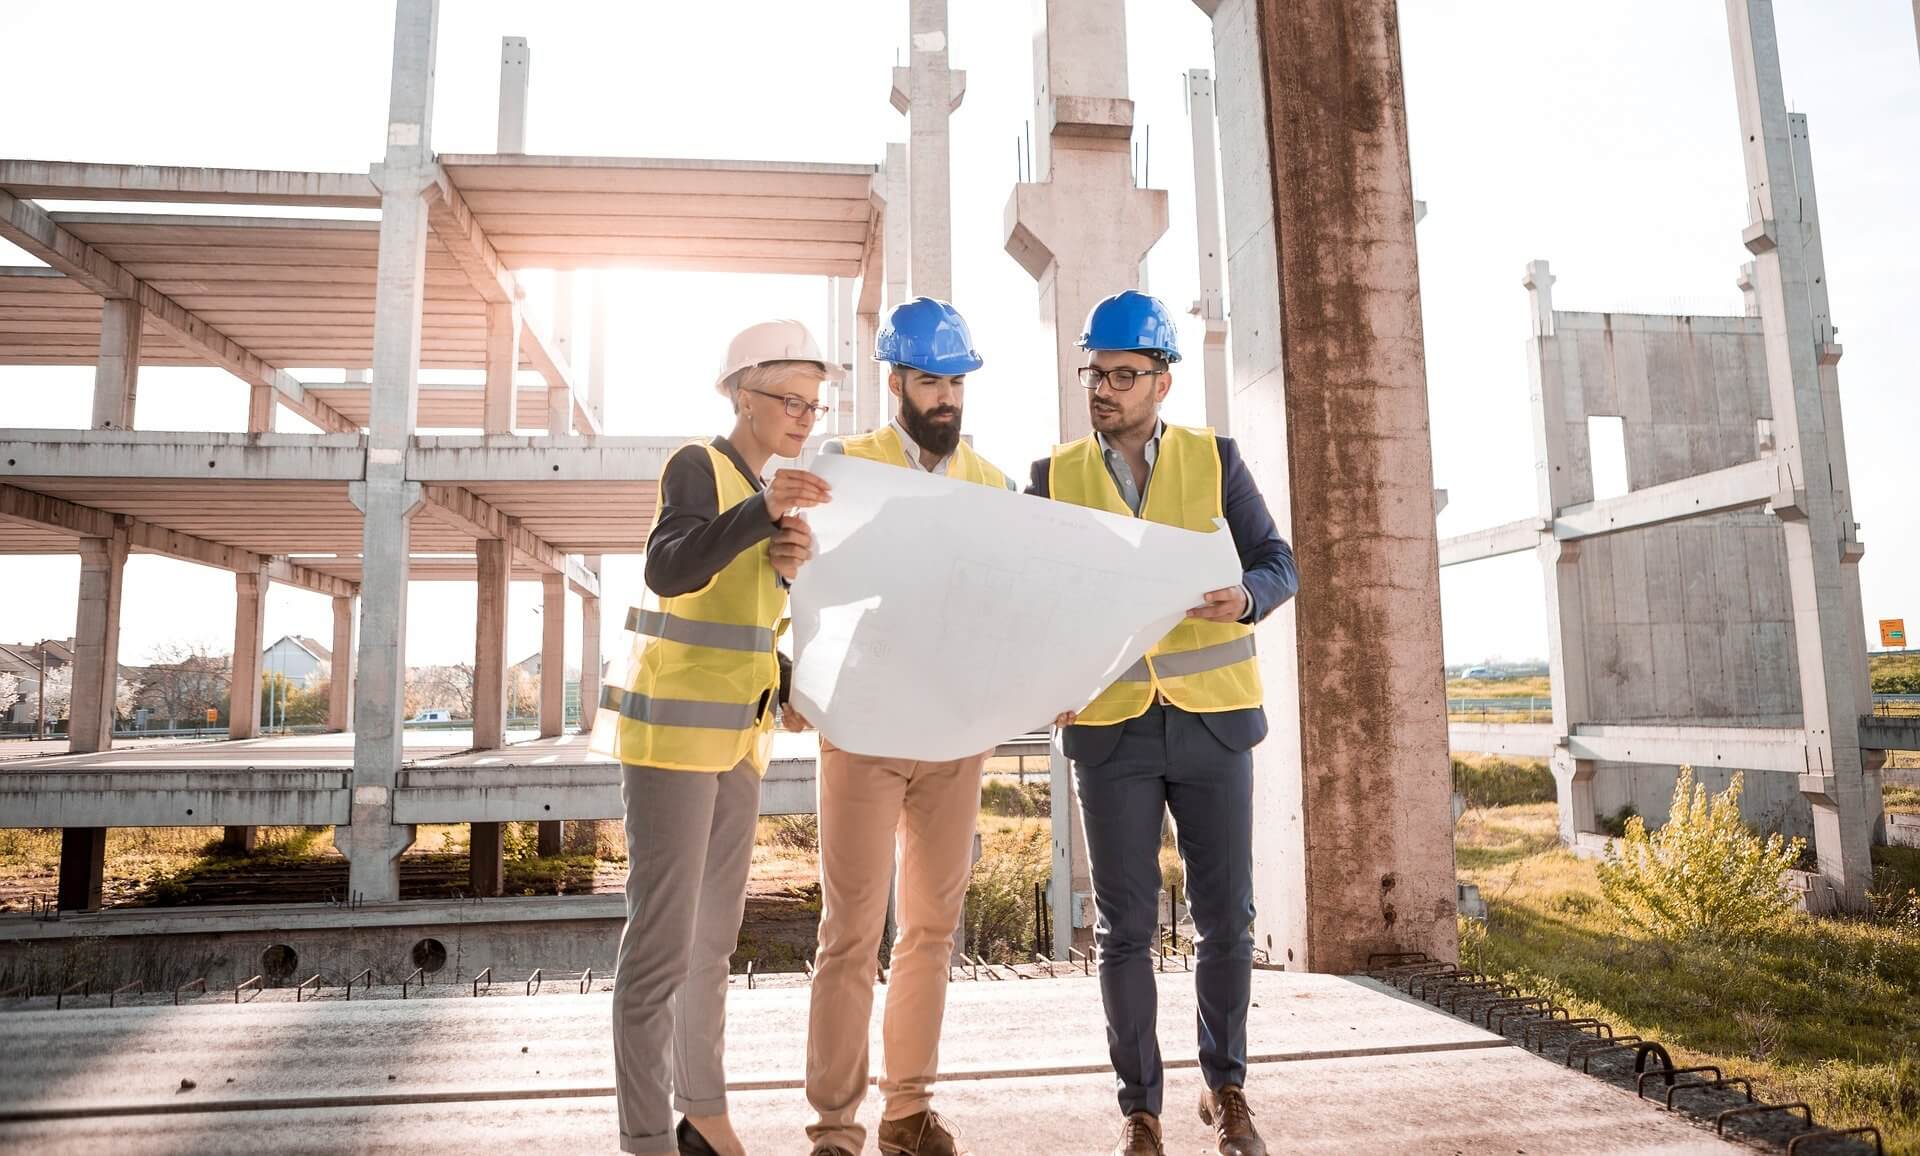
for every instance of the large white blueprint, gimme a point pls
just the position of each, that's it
(939, 618)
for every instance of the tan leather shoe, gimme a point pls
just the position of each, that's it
(924, 1134)
(1139, 1136)
(1226, 1112)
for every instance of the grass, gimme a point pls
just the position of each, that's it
(1826, 1011)
(1537, 686)
(1899, 800)
(1498, 781)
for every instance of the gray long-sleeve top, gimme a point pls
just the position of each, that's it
(693, 539)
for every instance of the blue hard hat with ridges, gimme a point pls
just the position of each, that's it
(1131, 321)
(928, 335)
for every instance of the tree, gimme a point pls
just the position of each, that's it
(58, 685)
(9, 690)
(441, 688)
(523, 693)
(125, 694)
(182, 680)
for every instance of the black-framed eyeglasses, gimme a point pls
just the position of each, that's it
(1121, 380)
(795, 405)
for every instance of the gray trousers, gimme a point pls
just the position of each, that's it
(689, 849)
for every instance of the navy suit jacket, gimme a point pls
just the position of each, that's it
(1267, 571)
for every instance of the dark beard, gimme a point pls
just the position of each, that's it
(937, 439)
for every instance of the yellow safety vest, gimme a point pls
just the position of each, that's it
(701, 678)
(1199, 666)
(884, 445)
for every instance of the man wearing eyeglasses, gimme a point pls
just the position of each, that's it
(1176, 732)
(869, 805)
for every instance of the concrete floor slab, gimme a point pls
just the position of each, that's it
(1439, 1104)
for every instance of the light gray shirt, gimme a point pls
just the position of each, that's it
(833, 446)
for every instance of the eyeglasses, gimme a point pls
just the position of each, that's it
(1121, 380)
(796, 406)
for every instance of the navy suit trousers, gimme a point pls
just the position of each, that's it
(1169, 760)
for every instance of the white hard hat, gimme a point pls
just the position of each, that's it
(773, 341)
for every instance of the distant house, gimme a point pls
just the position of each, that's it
(302, 660)
(22, 660)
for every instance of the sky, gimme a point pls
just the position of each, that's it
(1603, 138)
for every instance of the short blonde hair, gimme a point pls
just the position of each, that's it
(763, 378)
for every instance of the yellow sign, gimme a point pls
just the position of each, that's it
(213, 716)
(1893, 633)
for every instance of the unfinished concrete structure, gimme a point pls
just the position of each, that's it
(368, 503)
(1711, 615)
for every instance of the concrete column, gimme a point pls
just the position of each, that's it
(340, 688)
(1750, 300)
(928, 92)
(869, 384)
(96, 643)
(494, 566)
(1070, 884)
(243, 691)
(597, 350)
(1212, 306)
(373, 841)
(553, 683)
(261, 409)
(1811, 512)
(846, 349)
(1558, 485)
(898, 240)
(1356, 851)
(249, 639)
(83, 868)
(116, 376)
(1827, 354)
(559, 399)
(486, 859)
(500, 404)
(1082, 229)
(516, 69)
(589, 649)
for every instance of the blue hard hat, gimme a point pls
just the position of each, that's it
(1131, 320)
(930, 336)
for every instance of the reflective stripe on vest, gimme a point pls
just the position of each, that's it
(1199, 665)
(698, 684)
(884, 445)
(717, 635)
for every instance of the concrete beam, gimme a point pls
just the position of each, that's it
(1525, 740)
(1883, 733)
(36, 509)
(28, 226)
(67, 453)
(456, 460)
(86, 181)
(1494, 542)
(583, 791)
(477, 517)
(155, 797)
(1740, 748)
(1738, 487)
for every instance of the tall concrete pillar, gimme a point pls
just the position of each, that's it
(1211, 308)
(1082, 228)
(374, 842)
(516, 70)
(1356, 853)
(500, 401)
(898, 239)
(869, 411)
(243, 691)
(249, 639)
(96, 643)
(928, 92)
(1749, 298)
(846, 350)
(261, 409)
(590, 661)
(494, 561)
(83, 868)
(1557, 485)
(486, 859)
(597, 350)
(553, 683)
(1814, 518)
(116, 376)
(340, 687)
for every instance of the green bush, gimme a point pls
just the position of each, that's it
(1615, 824)
(798, 832)
(1016, 800)
(1497, 782)
(1705, 873)
(998, 921)
(1897, 682)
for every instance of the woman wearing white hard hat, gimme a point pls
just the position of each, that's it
(692, 721)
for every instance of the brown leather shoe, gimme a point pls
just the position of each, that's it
(829, 1150)
(1139, 1136)
(1226, 1112)
(924, 1134)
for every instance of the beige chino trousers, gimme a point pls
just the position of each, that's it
(866, 804)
